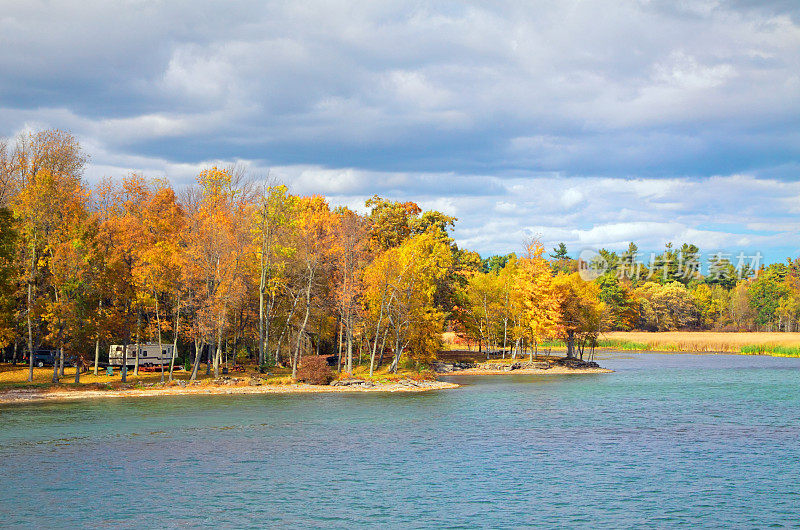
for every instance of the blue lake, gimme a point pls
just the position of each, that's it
(666, 440)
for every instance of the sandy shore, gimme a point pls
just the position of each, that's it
(555, 370)
(34, 395)
(64, 393)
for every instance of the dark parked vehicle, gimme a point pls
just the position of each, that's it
(48, 357)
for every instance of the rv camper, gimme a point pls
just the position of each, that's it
(149, 355)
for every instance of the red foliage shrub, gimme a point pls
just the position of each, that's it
(314, 370)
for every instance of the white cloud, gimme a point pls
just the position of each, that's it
(713, 213)
(571, 198)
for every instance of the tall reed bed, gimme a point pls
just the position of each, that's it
(774, 344)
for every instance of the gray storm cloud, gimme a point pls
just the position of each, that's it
(586, 121)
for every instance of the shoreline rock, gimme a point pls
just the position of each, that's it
(559, 364)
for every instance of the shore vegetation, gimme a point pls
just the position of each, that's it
(235, 270)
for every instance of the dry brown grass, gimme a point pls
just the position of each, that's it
(703, 341)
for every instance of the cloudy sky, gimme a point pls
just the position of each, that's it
(589, 122)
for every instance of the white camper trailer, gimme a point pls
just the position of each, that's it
(149, 355)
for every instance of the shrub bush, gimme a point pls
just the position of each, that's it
(314, 370)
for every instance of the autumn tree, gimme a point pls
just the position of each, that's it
(8, 277)
(312, 243)
(711, 303)
(580, 311)
(272, 221)
(125, 237)
(401, 286)
(485, 302)
(158, 277)
(351, 254)
(536, 290)
(217, 247)
(390, 222)
(70, 313)
(741, 310)
(665, 307)
(46, 169)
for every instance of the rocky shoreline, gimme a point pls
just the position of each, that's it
(257, 385)
(561, 365)
(230, 385)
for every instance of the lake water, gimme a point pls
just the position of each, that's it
(667, 440)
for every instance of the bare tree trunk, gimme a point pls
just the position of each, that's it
(138, 345)
(349, 347)
(97, 343)
(198, 350)
(261, 334)
(300, 334)
(339, 349)
(296, 358)
(505, 336)
(375, 344)
(55, 370)
(77, 370)
(570, 344)
(263, 322)
(383, 348)
(160, 346)
(209, 356)
(398, 350)
(96, 354)
(61, 361)
(235, 350)
(285, 328)
(28, 314)
(218, 354)
(124, 368)
(175, 339)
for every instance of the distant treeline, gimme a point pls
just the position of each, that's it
(669, 292)
(240, 268)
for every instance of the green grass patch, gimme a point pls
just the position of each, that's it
(775, 351)
(621, 344)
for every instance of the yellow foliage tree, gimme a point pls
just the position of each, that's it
(536, 290)
(400, 288)
(580, 311)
